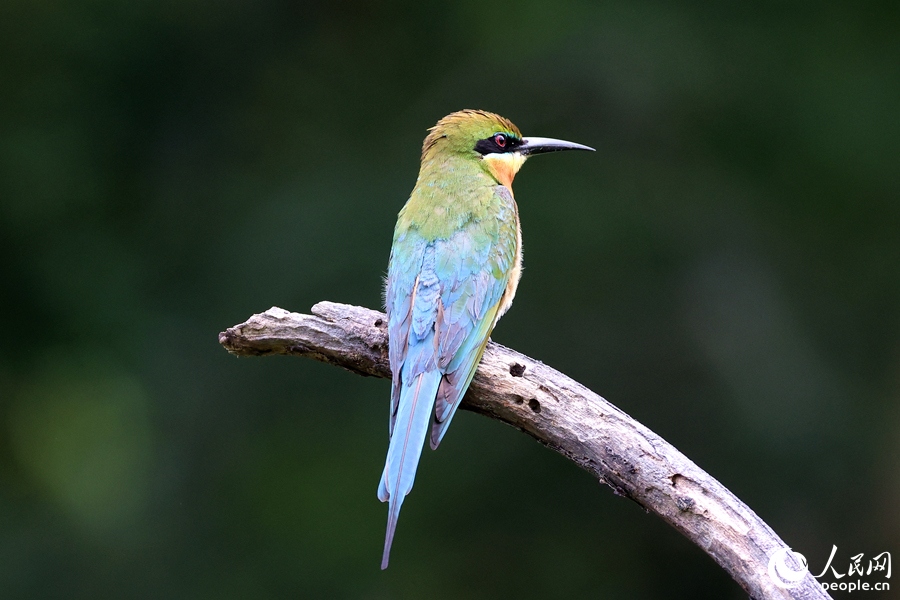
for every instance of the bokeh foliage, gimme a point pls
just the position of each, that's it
(724, 268)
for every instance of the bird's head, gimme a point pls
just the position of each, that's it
(490, 139)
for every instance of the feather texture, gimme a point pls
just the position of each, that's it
(453, 270)
(455, 265)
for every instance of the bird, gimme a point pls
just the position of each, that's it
(454, 267)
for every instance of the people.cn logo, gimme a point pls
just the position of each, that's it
(786, 575)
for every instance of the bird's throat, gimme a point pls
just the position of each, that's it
(504, 166)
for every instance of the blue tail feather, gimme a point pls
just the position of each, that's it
(412, 422)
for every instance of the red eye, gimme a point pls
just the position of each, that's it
(500, 140)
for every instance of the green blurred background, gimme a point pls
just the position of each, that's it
(725, 268)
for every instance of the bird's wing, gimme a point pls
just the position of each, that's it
(475, 269)
(401, 288)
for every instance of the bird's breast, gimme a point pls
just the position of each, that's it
(515, 272)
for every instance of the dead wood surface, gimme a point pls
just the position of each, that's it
(561, 414)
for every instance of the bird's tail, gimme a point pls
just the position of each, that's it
(412, 422)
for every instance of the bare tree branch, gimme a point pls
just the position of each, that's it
(561, 414)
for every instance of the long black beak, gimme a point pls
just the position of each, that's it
(539, 145)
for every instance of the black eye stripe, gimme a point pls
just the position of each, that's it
(498, 143)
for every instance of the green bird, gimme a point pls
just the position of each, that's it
(454, 267)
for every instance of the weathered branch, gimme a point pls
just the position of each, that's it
(561, 414)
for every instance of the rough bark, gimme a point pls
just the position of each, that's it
(561, 414)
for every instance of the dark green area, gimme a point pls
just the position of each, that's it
(725, 268)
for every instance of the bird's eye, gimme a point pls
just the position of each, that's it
(498, 143)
